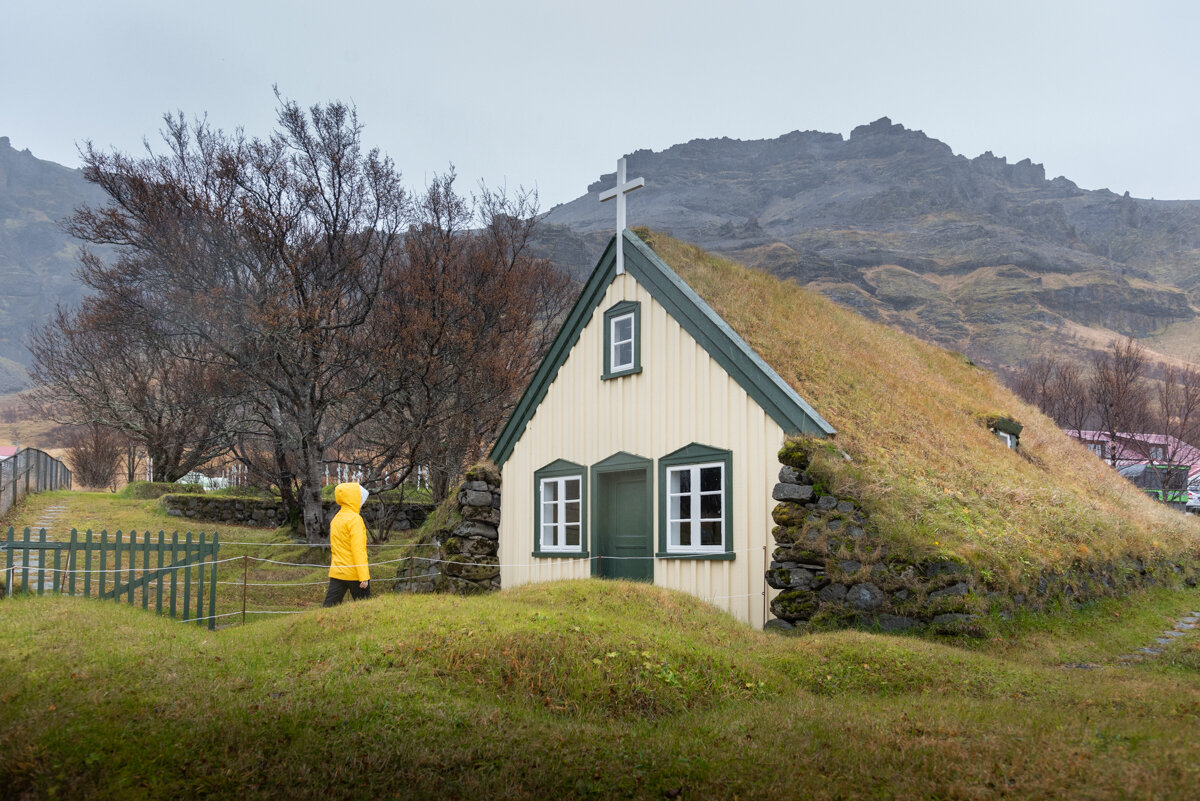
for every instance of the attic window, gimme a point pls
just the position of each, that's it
(622, 340)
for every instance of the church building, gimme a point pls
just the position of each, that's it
(645, 447)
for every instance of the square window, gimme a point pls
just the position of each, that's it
(561, 514)
(695, 508)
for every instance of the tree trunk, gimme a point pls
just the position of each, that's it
(310, 496)
(439, 483)
(314, 513)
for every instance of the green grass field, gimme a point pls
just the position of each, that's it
(586, 689)
(270, 587)
(583, 689)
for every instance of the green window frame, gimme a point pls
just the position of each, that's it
(555, 479)
(622, 340)
(691, 501)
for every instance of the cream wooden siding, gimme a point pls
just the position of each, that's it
(681, 396)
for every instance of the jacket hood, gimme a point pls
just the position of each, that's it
(349, 496)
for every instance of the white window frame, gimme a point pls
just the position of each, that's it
(559, 527)
(695, 518)
(613, 343)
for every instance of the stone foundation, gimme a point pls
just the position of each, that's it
(462, 557)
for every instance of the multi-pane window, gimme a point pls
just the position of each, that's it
(562, 510)
(696, 507)
(622, 340)
(621, 337)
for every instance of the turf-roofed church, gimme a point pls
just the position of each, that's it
(646, 445)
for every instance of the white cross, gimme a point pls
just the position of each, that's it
(619, 192)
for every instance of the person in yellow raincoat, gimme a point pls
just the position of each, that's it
(348, 546)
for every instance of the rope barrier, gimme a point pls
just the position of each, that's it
(137, 569)
(322, 545)
(313, 564)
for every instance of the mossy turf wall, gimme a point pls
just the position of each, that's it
(835, 569)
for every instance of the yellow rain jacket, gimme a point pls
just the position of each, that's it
(348, 536)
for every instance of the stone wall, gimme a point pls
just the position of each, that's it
(833, 570)
(268, 512)
(462, 555)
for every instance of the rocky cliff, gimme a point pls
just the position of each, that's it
(37, 260)
(980, 255)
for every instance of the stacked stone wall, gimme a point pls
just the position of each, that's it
(833, 570)
(462, 557)
(269, 512)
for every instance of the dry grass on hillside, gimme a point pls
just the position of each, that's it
(912, 419)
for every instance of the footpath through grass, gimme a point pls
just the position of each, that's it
(280, 574)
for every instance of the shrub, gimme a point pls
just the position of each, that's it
(150, 490)
(244, 492)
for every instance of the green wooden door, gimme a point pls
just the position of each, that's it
(622, 531)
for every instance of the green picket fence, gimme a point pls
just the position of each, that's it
(172, 575)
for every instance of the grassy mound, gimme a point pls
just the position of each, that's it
(576, 689)
(913, 444)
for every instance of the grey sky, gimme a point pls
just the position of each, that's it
(549, 94)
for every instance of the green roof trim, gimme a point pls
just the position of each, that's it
(781, 403)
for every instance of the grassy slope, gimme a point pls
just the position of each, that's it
(297, 585)
(911, 417)
(582, 689)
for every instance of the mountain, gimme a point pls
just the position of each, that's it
(985, 257)
(37, 259)
(979, 255)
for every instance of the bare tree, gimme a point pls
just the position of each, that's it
(97, 366)
(1069, 400)
(344, 323)
(1119, 391)
(93, 452)
(1058, 388)
(477, 311)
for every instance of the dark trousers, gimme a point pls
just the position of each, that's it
(337, 591)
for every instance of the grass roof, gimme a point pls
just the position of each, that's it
(913, 444)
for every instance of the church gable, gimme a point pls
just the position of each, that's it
(622, 342)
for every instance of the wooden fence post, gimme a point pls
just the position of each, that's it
(8, 563)
(212, 592)
(200, 583)
(187, 578)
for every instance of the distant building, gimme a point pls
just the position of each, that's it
(1128, 450)
(7, 452)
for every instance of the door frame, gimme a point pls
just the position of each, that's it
(621, 462)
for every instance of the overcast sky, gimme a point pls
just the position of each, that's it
(549, 94)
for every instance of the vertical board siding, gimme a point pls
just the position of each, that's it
(681, 396)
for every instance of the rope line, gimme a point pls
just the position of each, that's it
(138, 570)
(323, 545)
